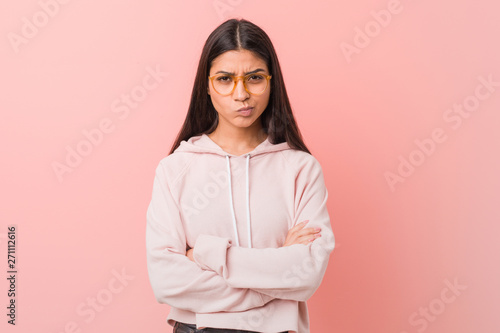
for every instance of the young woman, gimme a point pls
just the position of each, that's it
(239, 204)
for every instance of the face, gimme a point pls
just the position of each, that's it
(239, 63)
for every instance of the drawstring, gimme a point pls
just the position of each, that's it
(232, 206)
(248, 205)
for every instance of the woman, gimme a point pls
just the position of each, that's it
(227, 243)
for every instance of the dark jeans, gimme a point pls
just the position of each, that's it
(190, 328)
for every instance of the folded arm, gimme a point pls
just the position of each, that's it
(291, 272)
(175, 279)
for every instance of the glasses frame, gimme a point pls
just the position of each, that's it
(236, 79)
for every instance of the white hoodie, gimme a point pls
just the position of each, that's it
(235, 212)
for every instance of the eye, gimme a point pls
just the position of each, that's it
(255, 77)
(223, 78)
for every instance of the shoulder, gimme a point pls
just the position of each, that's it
(171, 167)
(308, 171)
(301, 160)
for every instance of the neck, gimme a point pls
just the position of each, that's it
(240, 139)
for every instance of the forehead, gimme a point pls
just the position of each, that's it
(237, 62)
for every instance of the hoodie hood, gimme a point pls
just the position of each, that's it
(202, 144)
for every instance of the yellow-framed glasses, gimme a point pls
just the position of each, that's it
(255, 84)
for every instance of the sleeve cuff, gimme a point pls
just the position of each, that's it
(210, 251)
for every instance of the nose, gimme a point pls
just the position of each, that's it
(240, 92)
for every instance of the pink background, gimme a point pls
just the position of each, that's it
(397, 247)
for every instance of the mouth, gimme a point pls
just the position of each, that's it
(245, 111)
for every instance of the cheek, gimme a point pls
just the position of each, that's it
(263, 100)
(220, 104)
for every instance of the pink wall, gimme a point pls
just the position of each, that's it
(376, 87)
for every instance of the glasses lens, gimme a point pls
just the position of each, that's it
(223, 84)
(256, 83)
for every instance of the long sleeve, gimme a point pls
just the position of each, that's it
(175, 279)
(291, 272)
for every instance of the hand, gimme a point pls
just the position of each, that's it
(297, 235)
(189, 254)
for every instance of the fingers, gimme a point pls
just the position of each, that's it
(307, 235)
(308, 231)
(297, 235)
(300, 225)
(296, 229)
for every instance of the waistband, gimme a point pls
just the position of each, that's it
(181, 327)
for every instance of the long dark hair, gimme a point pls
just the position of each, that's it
(277, 119)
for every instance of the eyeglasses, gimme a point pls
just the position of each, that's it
(255, 84)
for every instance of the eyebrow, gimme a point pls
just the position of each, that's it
(254, 71)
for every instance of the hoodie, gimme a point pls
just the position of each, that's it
(235, 212)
